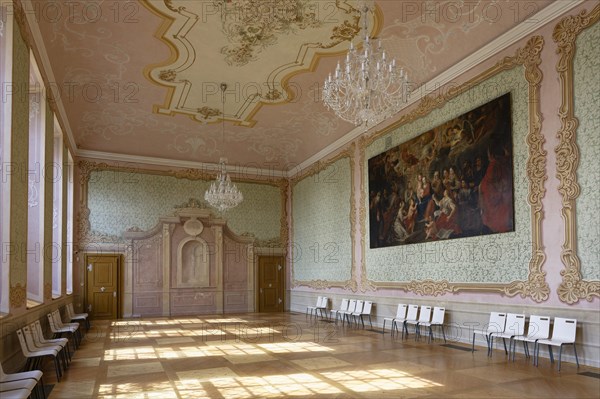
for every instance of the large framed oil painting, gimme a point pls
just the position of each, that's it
(453, 181)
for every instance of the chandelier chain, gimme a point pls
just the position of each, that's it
(223, 193)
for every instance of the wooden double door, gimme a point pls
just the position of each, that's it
(271, 283)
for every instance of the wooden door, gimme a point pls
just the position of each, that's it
(102, 280)
(270, 283)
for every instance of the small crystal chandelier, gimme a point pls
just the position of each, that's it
(223, 194)
(369, 87)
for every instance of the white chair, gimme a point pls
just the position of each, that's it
(33, 344)
(34, 356)
(563, 333)
(16, 389)
(322, 307)
(366, 311)
(77, 317)
(347, 313)
(40, 341)
(412, 314)
(539, 328)
(437, 320)
(424, 317)
(25, 379)
(400, 314)
(314, 308)
(515, 325)
(357, 310)
(495, 325)
(339, 312)
(58, 328)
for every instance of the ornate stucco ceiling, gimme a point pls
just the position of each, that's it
(141, 79)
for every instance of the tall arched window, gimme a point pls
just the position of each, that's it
(6, 56)
(36, 186)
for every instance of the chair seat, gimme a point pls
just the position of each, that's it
(16, 394)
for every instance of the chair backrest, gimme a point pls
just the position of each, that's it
(69, 311)
(401, 311)
(359, 306)
(367, 307)
(539, 327)
(497, 322)
(24, 348)
(425, 314)
(413, 312)
(29, 338)
(564, 329)
(344, 304)
(438, 315)
(319, 299)
(515, 324)
(324, 302)
(352, 305)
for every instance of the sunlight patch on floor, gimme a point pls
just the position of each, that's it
(295, 347)
(378, 380)
(159, 390)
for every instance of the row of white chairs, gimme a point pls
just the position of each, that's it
(512, 326)
(419, 317)
(21, 385)
(353, 310)
(35, 347)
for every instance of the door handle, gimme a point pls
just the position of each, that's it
(102, 289)
(114, 294)
(261, 290)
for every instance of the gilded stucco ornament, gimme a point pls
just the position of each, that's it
(535, 287)
(17, 296)
(572, 288)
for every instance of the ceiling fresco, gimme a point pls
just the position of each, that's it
(141, 78)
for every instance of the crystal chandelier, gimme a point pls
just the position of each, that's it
(369, 87)
(223, 194)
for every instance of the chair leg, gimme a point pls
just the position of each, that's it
(473, 347)
(551, 355)
(504, 342)
(490, 342)
(443, 333)
(559, 355)
(575, 350)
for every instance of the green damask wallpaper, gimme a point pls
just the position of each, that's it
(498, 258)
(121, 200)
(587, 102)
(321, 212)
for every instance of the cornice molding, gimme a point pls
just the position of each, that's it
(207, 167)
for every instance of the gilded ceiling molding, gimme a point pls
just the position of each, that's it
(536, 286)
(245, 46)
(573, 287)
(352, 283)
(85, 233)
